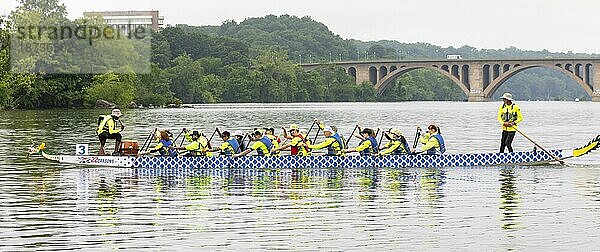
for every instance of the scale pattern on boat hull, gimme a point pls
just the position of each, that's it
(417, 161)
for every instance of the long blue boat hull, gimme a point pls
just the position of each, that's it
(400, 161)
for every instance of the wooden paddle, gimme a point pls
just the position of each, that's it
(147, 141)
(417, 135)
(311, 127)
(240, 144)
(539, 146)
(351, 135)
(318, 130)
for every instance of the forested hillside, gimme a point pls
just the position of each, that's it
(252, 61)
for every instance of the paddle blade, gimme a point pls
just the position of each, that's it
(592, 145)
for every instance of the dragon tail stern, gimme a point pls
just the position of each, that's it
(589, 147)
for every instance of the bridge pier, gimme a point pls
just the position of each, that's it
(477, 97)
(362, 74)
(596, 83)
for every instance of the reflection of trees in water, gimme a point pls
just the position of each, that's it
(285, 183)
(430, 185)
(368, 180)
(43, 187)
(509, 199)
(397, 183)
(108, 193)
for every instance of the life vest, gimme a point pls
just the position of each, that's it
(268, 143)
(402, 149)
(198, 151)
(295, 150)
(165, 150)
(242, 146)
(234, 145)
(274, 142)
(442, 148)
(372, 149)
(509, 114)
(103, 124)
(332, 150)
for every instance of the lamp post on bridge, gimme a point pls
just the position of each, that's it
(300, 59)
(310, 58)
(357, 56)
(340, 57)
(330, 57)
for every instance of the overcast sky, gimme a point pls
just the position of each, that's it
(556, 25)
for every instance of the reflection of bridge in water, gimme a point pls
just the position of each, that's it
(479, 78)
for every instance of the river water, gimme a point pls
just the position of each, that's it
(49, 206)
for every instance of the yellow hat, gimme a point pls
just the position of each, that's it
(294, 127)
(396, 132)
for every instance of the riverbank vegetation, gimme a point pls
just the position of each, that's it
(252, 61)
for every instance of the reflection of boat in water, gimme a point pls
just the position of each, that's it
(294, 162)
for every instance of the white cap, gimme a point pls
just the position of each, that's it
(507, 96)
(116, 112)
(238, 133)
(328, 129)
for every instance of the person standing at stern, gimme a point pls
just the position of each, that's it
(509, 115)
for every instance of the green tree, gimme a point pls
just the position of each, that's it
(111, 87)
(154, 88)
(186, 79)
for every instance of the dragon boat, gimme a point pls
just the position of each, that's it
(536, 157)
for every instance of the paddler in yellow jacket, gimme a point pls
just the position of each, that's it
(333, 143)
(509, 115)
(433, 142)
(262, 145)
(397, 144)
(198, 145)
(110, 127)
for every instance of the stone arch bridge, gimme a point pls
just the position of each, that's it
(479, 79)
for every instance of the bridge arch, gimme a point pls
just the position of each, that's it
(491, 89)
(373, 75)
(352, 72)
(383, 71)
(388, 79)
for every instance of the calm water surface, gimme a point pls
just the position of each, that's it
(48, 206)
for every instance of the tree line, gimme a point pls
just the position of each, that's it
(252, 61)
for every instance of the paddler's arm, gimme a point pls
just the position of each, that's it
(432, 143)
(322, 145)
(320, 124)
(424, 139)
(359, 136)
(285, 134)
(155, 149)
(188, 137)
(519, 115)
(243, 153)
(222, 147)
(363, 146)
(283, 147)
(255, 146)
(192, 146)
(390, 147)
